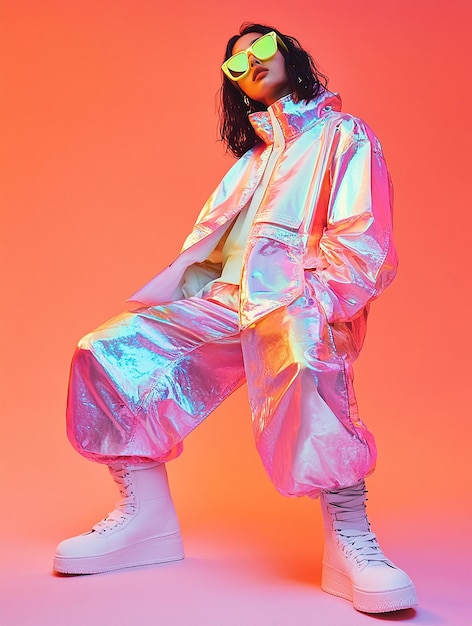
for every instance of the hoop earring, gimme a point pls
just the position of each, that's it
(246, 102)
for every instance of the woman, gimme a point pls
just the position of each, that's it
(272, 287)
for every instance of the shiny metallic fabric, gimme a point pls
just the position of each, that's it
(327, 210)
(144, 380)
(305, 421)
(319, 252)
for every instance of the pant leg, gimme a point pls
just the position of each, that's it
(144, 380)
(306, 426)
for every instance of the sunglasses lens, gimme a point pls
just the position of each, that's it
(238, 64)
(265, 47)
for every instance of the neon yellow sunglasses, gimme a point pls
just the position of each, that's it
(264, 48)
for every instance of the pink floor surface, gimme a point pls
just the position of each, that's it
(230, 578)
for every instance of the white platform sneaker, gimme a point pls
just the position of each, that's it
(354, 566)
(142, 530)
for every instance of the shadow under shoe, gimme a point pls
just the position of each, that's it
(142, 530)
(354, 566)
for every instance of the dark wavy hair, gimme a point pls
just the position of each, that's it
(305, 81)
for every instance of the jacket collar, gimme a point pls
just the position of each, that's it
(294, 117)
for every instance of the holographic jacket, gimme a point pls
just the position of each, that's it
(325, 221)
(319, 251)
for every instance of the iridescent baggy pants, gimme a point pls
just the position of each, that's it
(144, 380)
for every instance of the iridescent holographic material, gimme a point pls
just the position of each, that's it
(319, 251)
(141, 382)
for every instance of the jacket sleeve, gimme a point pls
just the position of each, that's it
(356, 259)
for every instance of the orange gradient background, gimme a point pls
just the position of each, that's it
(109, 149)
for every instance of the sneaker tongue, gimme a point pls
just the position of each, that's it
(351, 522)
(127, 506)
(112, 520)
(365, 547)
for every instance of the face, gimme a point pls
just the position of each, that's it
(266, 81)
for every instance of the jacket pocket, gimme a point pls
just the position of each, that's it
(279, 216)
(279, 232)
(272, 271)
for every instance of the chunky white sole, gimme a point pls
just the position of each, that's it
(161, 549)
(339, 584)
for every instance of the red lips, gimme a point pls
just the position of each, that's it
(258, 70)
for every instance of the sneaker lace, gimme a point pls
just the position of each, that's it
(358, 542)
(124, 507)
